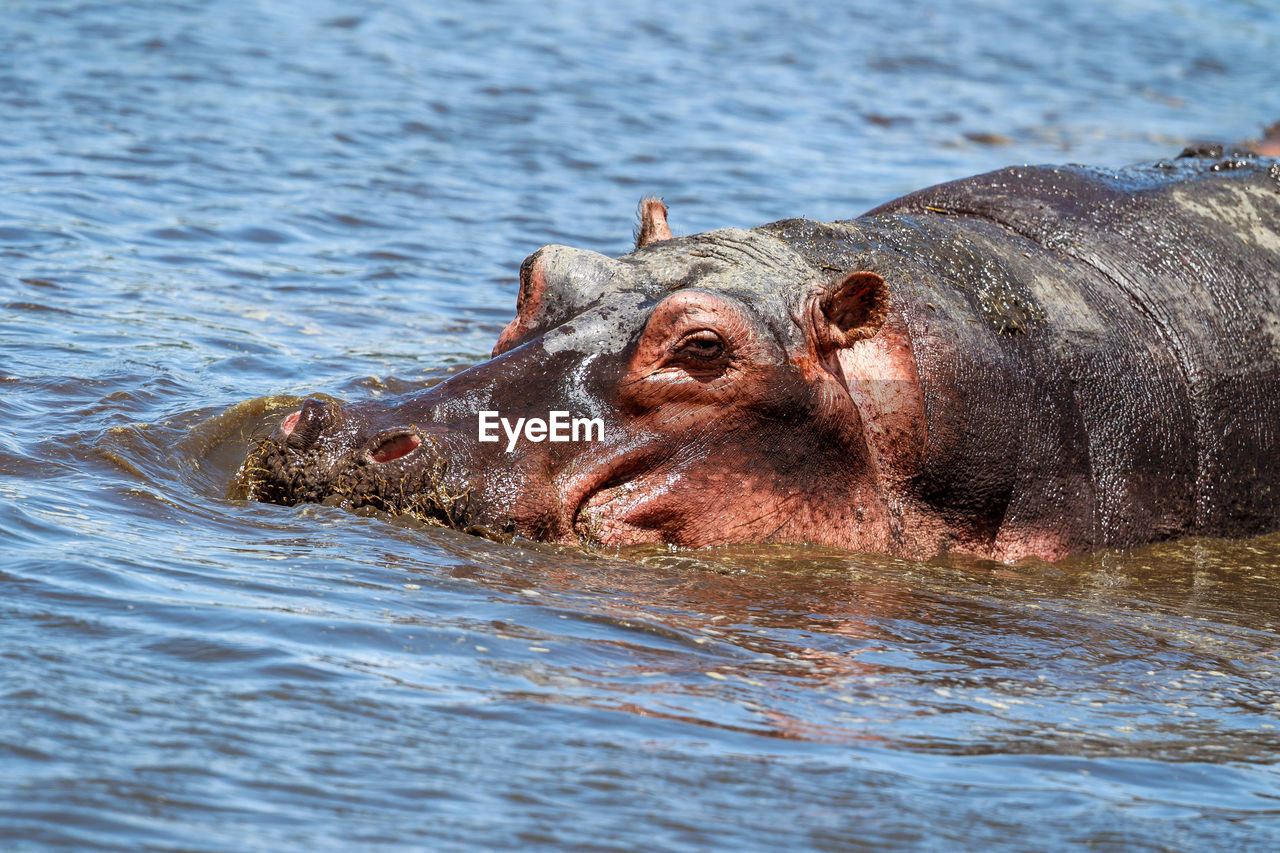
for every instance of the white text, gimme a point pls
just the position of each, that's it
(558, 426)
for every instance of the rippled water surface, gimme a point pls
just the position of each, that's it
(211, 209)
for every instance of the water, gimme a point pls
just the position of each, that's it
(211, 209)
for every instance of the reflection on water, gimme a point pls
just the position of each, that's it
(214, 210)
(1114, 654)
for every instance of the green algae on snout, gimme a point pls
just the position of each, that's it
(275, 474)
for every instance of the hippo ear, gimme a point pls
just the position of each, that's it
(653, 226)
(852, 311)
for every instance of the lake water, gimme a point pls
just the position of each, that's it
(211, 209)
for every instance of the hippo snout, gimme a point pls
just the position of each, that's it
(352, 456)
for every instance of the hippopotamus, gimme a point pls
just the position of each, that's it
(1031, 363)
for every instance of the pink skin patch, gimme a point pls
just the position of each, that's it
(290, 422)
(396, 447)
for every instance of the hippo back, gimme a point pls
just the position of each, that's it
(1099, 351)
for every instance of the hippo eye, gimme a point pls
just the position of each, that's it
(703, 346)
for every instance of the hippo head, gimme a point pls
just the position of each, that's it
(692, 392)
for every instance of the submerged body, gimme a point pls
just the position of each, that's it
(1033, 362)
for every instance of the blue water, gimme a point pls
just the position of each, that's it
(210, 209)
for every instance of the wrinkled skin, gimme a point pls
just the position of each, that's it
(1033, 362)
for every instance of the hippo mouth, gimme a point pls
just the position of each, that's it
(598, 520)
(324, 453)
(606, 513)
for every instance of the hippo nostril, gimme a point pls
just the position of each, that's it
(290, 421)
(302, 428)
(393, 446)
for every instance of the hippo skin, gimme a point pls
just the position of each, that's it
(1034, 362)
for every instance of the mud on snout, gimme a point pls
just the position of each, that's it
(312, 457)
